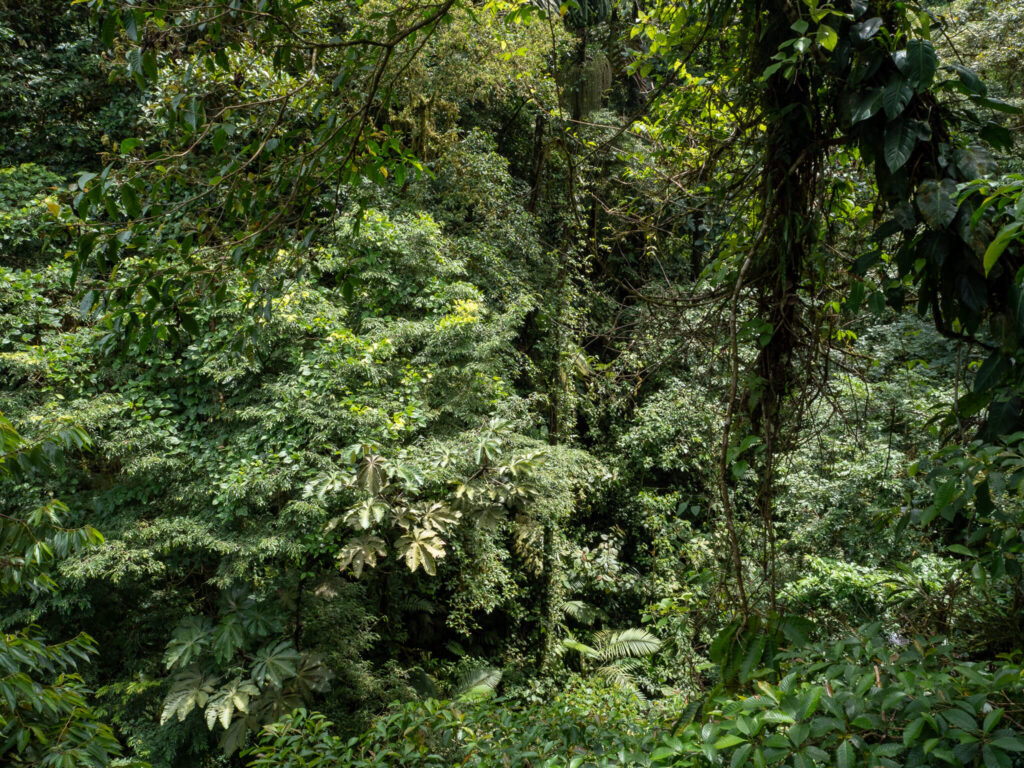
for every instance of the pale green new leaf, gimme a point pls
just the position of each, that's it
(1006, 235)
(230, 698)
(439, 517)
(420, 547)
(189, 689)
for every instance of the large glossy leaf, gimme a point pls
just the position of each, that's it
(991, 372)
(937, 201)
(865, 105)
(970, 80)
(997, 104)
(865, 30)
(896, 96)
(918, 63)
(900, 138)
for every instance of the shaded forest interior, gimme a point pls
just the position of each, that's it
(445, 383)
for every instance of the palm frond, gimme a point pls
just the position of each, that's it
(580, 611)
(619, 677)
(572, 644)
(478, 683)
(618, 644)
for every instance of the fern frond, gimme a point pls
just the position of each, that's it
(416, 605)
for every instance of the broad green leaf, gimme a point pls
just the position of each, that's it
(827, 38)
(127, 145)
(798, 733)
(918, 64)
(865, 105)
(752, 656)
(996, 135)
(1006, 235)
(992, 720)
(900, 138)
(189, 689)
(730, 740)
(865, 30)
(997, 105)
(937, 201)
(876, 302)
(370, 475)
(741, 756)
(220, 139)
(991, 372)
(275, 663)
(360, 552)
(912, 731)
(131, 201)
(1009, 743)
(228, 638)
(149, 67)
(896, 96)
(420, 547)
(846, 756)
(970, 79)
(960, 549)
(189, 640)
(960, 719)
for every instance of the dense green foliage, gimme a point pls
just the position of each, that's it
(511, 384)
